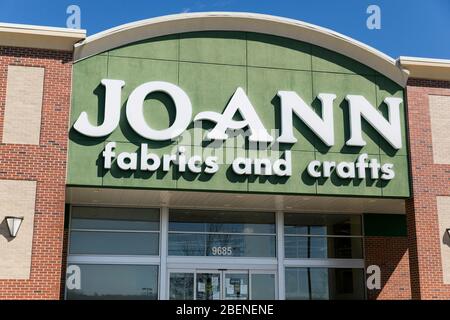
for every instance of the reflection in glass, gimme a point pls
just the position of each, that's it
(186, 244)
(219, 233)
(221, 221)
(318, 236)
(297, 284)
(116, 282)
(322, 224)
(208, 286)
(119, 243)
(319, 284)
(181, 286)
(95, 218)
(263, 286)
(318, 248)
(236, 286)
(114, 231)
(303, 247)
(324, 284)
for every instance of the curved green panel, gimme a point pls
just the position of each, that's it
(209, 66)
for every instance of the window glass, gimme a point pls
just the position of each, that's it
(114, 243)
(208, 286)
(217, 233)
(324, 284)
(297, 284)
(263, 286)
(319, 284)
(322, 224)
(303, 247)
(220, 221)
(181, 286)
(187, 244)
(318, 236)
(113, 282)
(114, 231)
(95, 218)
(236, 286)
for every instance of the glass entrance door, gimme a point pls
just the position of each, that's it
(235, 285)
(208, 285)
(221, 285)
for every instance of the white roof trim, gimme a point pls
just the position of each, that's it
(411, 60)
(29, 36)
(247, 22)
(42, 29)
(426, 68)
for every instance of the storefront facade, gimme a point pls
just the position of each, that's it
(224, 156)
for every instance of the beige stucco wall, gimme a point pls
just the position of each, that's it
(443, 205)
(17, 198)
(440, 124)
(24, 91)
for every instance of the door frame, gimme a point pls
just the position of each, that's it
(222, 271)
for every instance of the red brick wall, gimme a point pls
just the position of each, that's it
(45, 164)
(391, 255)
(428, 181)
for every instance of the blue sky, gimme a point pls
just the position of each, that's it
(408, 27)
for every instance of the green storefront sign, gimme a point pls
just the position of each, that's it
(243, 82)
